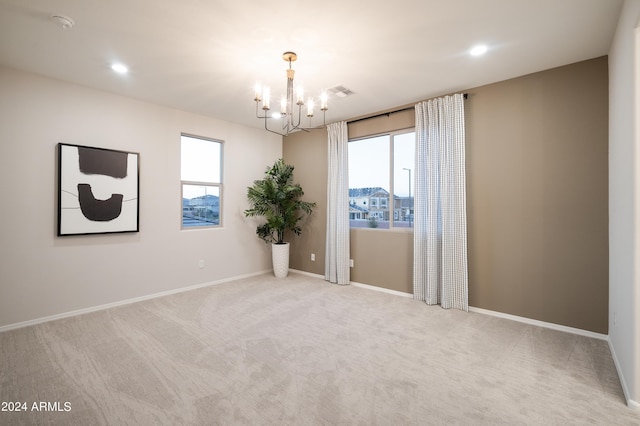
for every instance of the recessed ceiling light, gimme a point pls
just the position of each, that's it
(478, 50)
(120, 68)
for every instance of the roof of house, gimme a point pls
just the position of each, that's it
(366, 192)
(353, 207)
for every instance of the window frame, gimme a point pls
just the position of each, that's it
(218, 185)
(390, 201)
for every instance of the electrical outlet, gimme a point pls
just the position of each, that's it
(313, 257)
(615, 319)
(351, 263)
(201, 263)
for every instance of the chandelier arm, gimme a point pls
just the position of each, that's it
(258, 115)
(266, 118)
(320, 126)
(272, 131)
(295, 125)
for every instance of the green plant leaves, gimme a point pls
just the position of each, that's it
(278, 200)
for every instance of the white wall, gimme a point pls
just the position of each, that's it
(42, 274)
(624, 211)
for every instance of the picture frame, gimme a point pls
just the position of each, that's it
(98, 190)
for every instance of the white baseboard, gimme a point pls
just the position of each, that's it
(382, 290)
(630, 402)
(530, 321)
(309, 274)
(355, 284)
(544, 324)
(124, 302)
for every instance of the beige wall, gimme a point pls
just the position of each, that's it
(537, 196)
(537, 200)
(383, 259)
(307, 152)
(43, 275)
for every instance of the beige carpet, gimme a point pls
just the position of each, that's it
(299, 351)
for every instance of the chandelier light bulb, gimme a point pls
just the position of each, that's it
(266, 95)
(323, 101)
(258, 91)
(310, 107)
(300, 95)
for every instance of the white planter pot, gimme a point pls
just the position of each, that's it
(280, 259)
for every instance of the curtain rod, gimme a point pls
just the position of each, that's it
(464, 96)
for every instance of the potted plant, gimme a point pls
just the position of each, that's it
(277, 199)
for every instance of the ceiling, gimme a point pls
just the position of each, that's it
(205, 56)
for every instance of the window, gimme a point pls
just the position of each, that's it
(381, 170)
(201, 178)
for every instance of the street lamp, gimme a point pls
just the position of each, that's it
(409, 170)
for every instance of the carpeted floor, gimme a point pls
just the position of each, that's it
(299, 351)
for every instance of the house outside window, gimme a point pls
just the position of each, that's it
(201, 182)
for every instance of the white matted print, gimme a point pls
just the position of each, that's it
(98, 190)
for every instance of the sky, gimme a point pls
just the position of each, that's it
(369, 162)
(200, 161)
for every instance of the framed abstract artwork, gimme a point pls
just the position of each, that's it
(98, 190)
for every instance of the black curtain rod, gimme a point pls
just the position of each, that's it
(464, 96)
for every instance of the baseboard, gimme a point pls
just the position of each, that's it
(530, 321)
(382, 289)
(309, 274)
(125, 302)
(355, 284)
(544, 324)
(630, 402)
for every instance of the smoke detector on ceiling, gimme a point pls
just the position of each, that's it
(340, 91)
(62, 21)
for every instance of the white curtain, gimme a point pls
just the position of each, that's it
(440, 274)
(336, 269)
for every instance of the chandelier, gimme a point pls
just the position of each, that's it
(290, 115)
